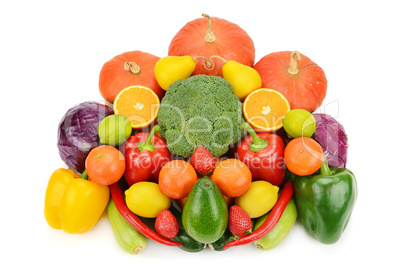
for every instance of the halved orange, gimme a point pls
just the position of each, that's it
(265, 108)
(139, 104)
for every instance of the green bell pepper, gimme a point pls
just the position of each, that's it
(325, 201)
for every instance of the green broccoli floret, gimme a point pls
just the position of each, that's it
(200, 111)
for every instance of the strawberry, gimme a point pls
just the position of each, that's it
(166, 224)
(239, 221)
(202, 161)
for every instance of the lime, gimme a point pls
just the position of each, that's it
(114, 130)
(299, 123)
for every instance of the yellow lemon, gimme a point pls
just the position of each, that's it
(260, 197)
(145, 199)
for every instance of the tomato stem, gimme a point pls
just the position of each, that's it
(294, 57)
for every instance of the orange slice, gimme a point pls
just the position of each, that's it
(265, 108)
(139, 104)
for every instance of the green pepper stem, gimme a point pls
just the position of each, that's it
(258, 144)
(84, 175)
(147, 145)
(324, 170)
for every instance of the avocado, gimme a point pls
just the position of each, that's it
(205, 213)
(187, 243)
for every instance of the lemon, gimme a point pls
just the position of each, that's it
(260, 198)
(145, 199)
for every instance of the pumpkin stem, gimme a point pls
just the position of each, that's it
(219, 57)
(195, 58)
(132, 67)
(207, 64)
(209, 36)
(108, 103)
(294, 57)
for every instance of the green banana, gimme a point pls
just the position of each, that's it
(128, 238)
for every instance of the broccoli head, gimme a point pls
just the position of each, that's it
(200, 111)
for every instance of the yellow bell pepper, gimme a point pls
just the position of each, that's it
(73, 203)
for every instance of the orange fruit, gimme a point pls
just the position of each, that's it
(176, 178)
(303, 156)
(232, 177)
(105, 165)
(265, 108)
(139, 104)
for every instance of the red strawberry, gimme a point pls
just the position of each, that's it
(239, 221)
(202, 161)
(166, 224)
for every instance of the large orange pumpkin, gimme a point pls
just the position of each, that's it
(210, 36)
(298, 78)
(128, 69)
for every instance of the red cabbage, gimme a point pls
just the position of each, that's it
(78, 133)
(331, 135)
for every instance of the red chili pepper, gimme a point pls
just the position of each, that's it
(145, 155)
(263, 154)
(118, 199)
(271, 220)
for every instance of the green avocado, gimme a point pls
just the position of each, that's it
(205, 213)
(187, 243)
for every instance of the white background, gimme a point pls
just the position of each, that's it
(50, 58)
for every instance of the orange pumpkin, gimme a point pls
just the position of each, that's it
(210, 36)
(128, 69)
(298, 78)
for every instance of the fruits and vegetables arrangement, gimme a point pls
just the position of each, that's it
(204, 148)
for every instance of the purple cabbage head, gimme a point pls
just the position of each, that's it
(78, 133)
(331, 135)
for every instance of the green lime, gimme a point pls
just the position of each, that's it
(114, 130)
(299, 123)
